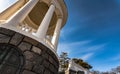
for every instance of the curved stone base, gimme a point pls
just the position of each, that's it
(38, 58)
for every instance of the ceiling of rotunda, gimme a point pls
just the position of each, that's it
(38, 13)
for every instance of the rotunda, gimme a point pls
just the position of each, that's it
(29, 32)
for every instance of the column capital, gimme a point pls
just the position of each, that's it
(52, 3)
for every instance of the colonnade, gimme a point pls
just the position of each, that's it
(20, 15)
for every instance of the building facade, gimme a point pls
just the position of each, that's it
(74, 68)
(29, 33)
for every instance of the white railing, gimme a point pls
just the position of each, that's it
(26, 28)
(76, 67)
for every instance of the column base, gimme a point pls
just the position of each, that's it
(38, 59)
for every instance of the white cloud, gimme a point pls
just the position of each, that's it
(87, 56)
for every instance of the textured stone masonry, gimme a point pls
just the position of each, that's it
(38, 59)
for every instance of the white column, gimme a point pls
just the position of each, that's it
(21, 14)
(56, 33)
(42, 30)
(11, 10)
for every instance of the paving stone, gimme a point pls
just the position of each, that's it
(17, 38)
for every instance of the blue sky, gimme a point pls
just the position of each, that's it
(5, 4)
(92, 32)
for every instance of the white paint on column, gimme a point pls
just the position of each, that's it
(56, 33)
(21, 14)
(42, 30)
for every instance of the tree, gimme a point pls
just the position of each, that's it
(82, 63)
(64, 60)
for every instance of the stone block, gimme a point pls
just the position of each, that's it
(51, 60)
(36, 50)
(45, 55)
(52, 68)
(46, 64)
(39, 69)
(7, 32)
(16, 39)
(30, 56)
(28, 65)
(8, 70)
(34, 58)
(28, 72)
(42, 47)
(30, 40)
(4, 38)
(47, 72)
(24, 46)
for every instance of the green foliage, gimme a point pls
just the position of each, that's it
(82, 63)
(64, 61)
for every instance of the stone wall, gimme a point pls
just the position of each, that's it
(38, 59)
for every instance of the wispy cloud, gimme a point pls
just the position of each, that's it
(87, 56)
(95, 48)
(80, 49)
(116, 58)
(69, 47)
(67, 30)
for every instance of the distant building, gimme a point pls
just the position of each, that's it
(29, 32)
(74, 68)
